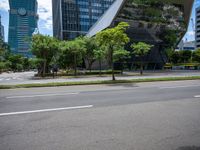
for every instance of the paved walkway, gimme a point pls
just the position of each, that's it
(28, 77)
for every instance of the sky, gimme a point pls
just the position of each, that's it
(45, 18)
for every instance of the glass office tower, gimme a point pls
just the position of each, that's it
(1, 30)
(72, 18)
(197, 34)
(22, 23)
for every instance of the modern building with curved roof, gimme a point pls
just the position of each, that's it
(162, 23)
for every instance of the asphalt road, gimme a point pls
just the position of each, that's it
(145, 116)
(28, 77)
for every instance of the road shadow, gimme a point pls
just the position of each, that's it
(189, 148)
(124, 85)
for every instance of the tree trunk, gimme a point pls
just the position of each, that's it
(75, 65)
(44, 68)
(141, 66)
(122, 69)
(100, 67)
(112, 65)
(90, 66)
(53, 74)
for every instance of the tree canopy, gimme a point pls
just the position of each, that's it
(113, 39)
(141, 49)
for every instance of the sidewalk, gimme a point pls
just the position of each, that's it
(27, 77)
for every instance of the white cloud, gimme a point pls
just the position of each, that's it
(4, 5)
(191, 33)
(45, 14)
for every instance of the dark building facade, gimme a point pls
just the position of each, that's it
(22, 23)
(161, 23)
(1, 30)
(197, 34)
(72, 18)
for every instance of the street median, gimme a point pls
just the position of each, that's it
(54, 84)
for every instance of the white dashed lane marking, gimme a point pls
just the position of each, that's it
(44, 110)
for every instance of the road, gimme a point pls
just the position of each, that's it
(143, 116)
(27, 77)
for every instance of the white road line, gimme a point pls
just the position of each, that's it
(197, 96)
(174, 87)
(44, 95)
(44, 110)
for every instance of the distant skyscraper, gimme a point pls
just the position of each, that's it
(22, 23)
(197, 34)
(1, 30)
(72, 18)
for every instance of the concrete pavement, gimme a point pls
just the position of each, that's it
(144, 116)
(27, 77)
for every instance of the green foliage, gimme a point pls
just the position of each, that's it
(91, 45)
(169, 38)
(113, 39)
(73, 50)
(16, 62)
(34, 63)
(182, 56)
(185, 56)
(175, 57)
(140, 50)
(153, 12)
(99, 54)
(197, 55)
(44, 48)
(121, 55)
(4, 53)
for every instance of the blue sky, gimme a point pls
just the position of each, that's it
(45, 17)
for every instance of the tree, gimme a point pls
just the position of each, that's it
(121, 56)
(185, 56)
(197, 55)
(113, 39)
(75, 48)
(16, 62)
(99, 55)
(91, 45)
(66, 58)
(34, 63)
(4, 50)
(44, 48)
(4, 53)
(26, 63)
(175, 57)
(141, 49)
(169, 53)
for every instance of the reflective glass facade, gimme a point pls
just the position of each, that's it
(22, 23)
(197, 27)
(1, 30)
(72, 18)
